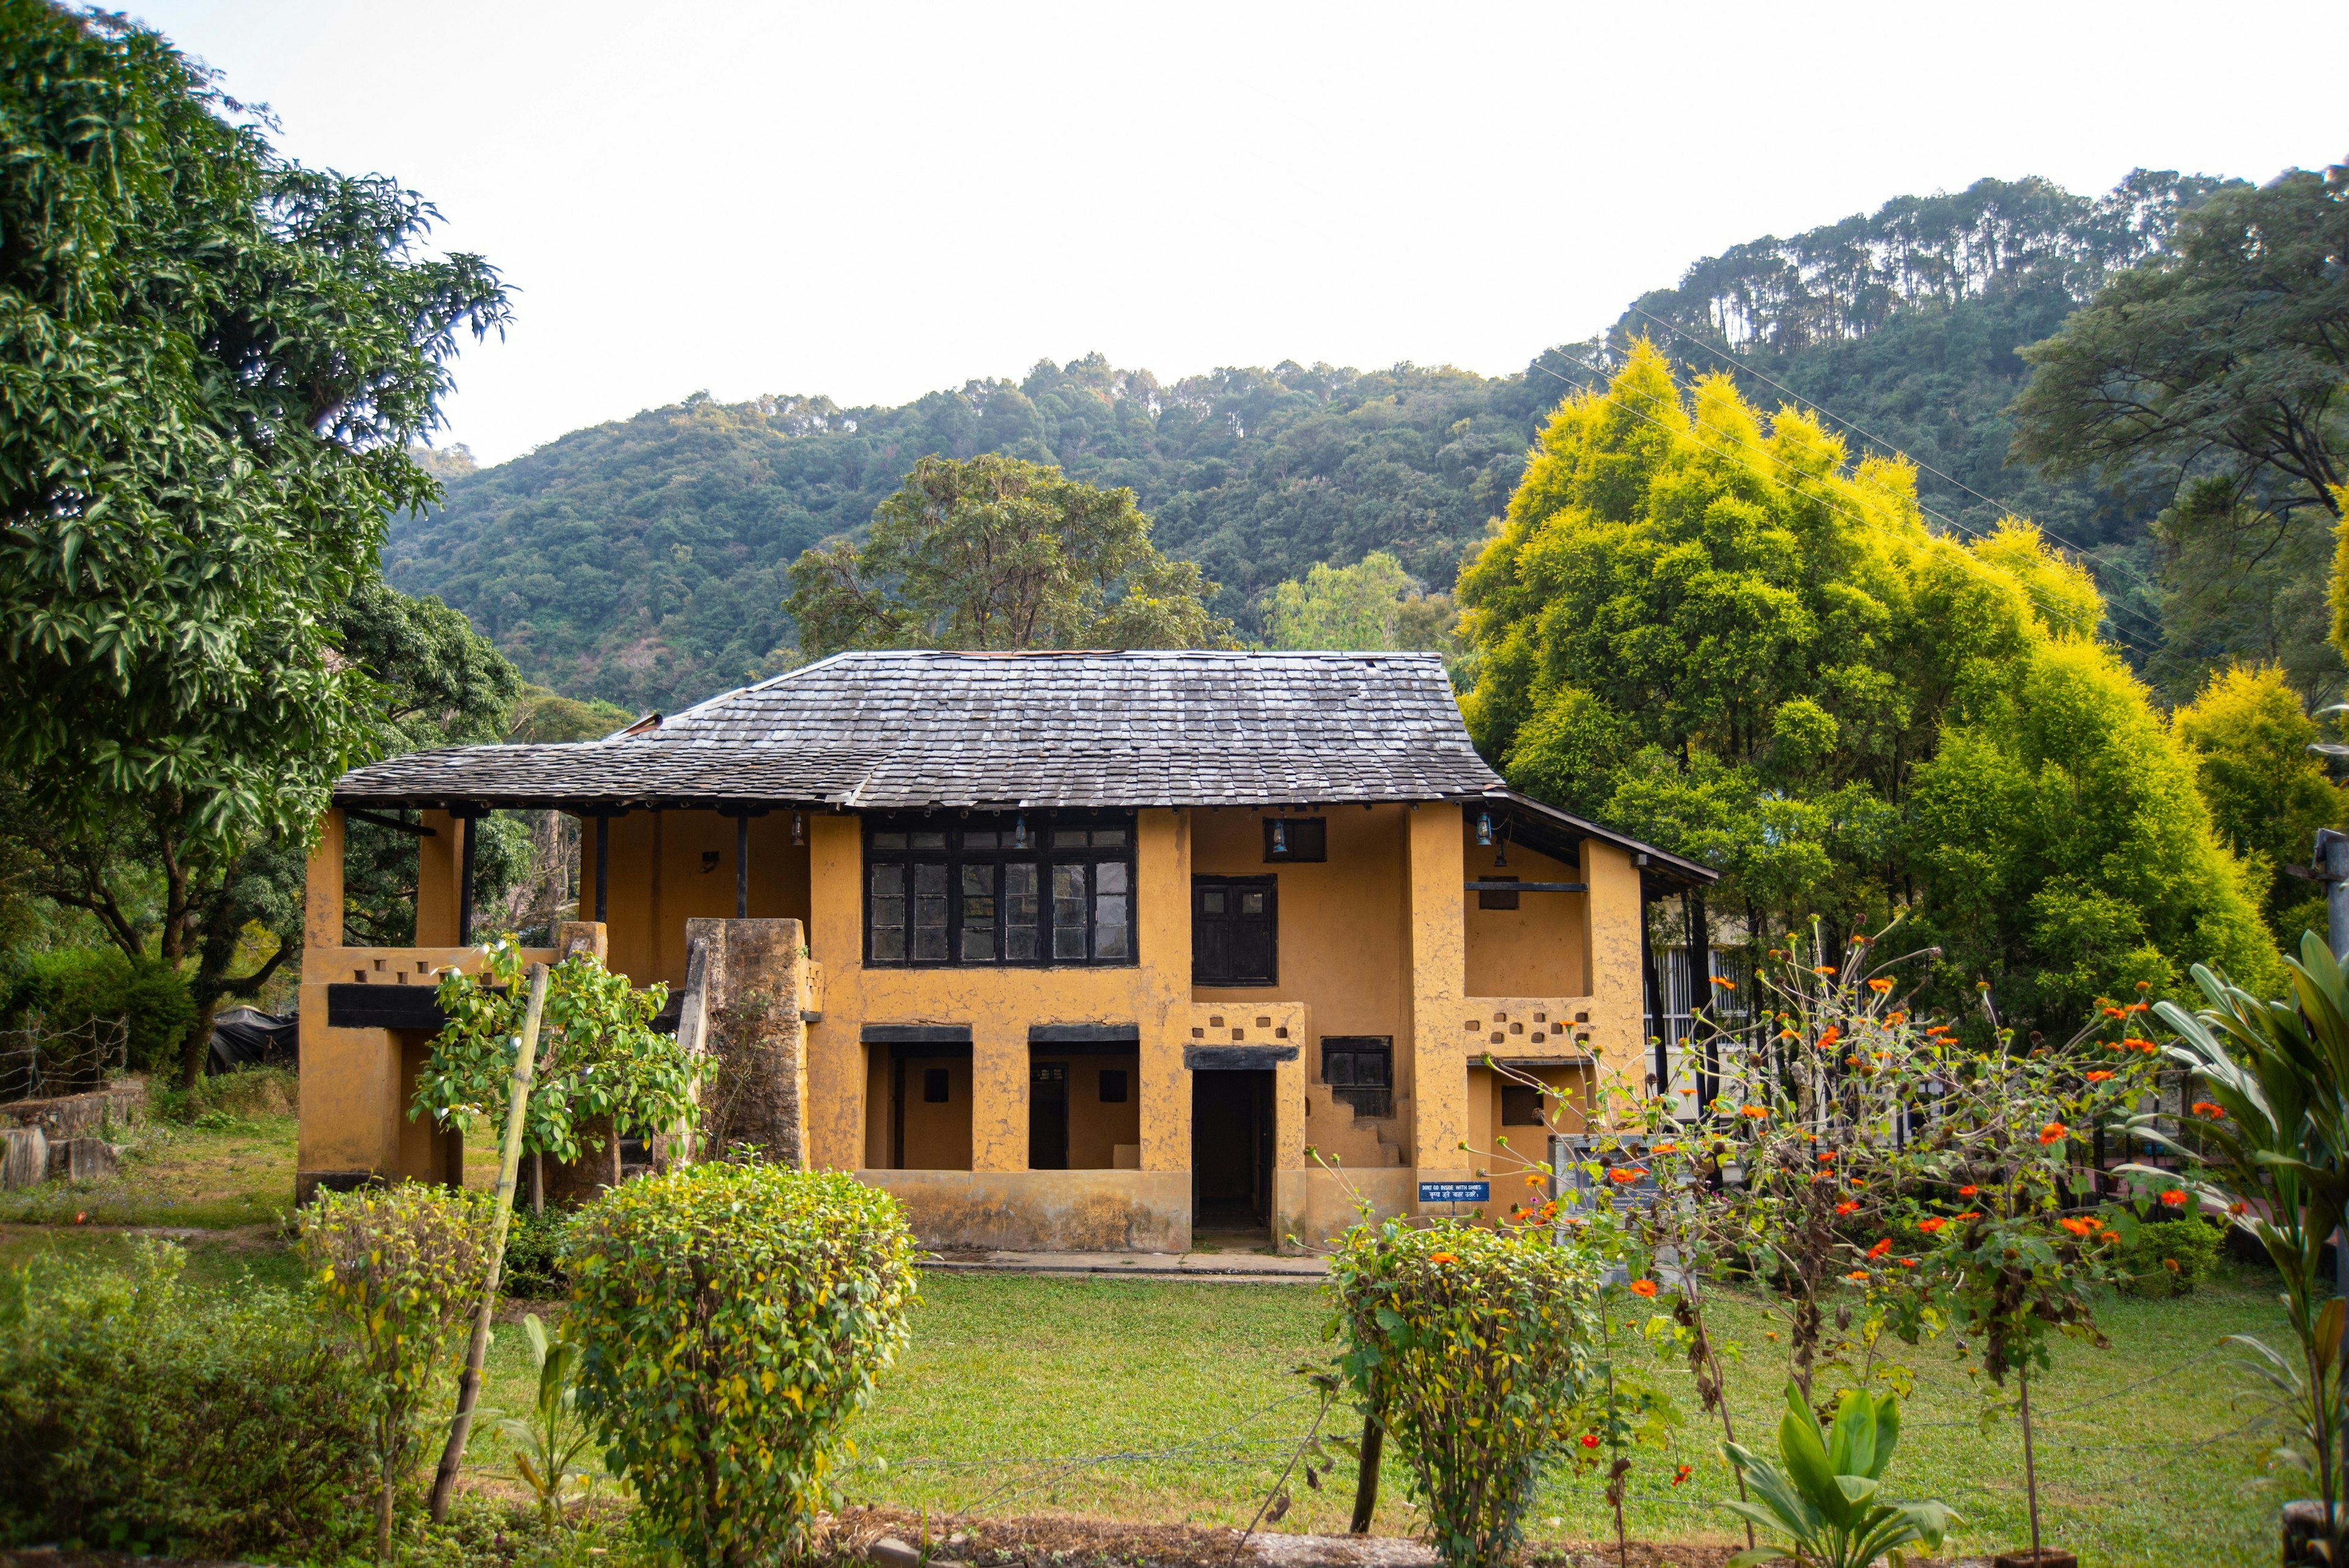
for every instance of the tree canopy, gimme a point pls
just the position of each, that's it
(2215, 374)
(1708, 629)
(1000, 553)
(1368, 605)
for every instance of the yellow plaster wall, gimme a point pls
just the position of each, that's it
(1438, 982)
(440, 859)
(938, 1137)
(1617, 1012)
(1538, 949)
(658, 883)
(1343, 957)
(999, 1006)
(1096, 1129)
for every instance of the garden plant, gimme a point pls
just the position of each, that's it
(1825, 1502)
(734, 1315)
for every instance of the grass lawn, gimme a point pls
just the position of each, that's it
(1174, 1400)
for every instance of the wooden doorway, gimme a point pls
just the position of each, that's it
(1231, 1152)
(1047, 1116)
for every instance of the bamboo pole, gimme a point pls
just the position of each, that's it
(468, 1387)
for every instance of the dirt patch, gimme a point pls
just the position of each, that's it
(1068, 1540)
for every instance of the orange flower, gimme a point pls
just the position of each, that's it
(2100, 1075)
(1589, 1439)
(1724, 983)
(1882, 1246)
(1857, 1183)
(2147, 1047)
(2169, 1263)
(2114, 1013)
(1932, 1225)
(1549, 1210)
(2238, 1208)
(1968, 1192)
(1624, 1175)
(1668, 1148)
(1835, 1033)
(1907, 1262)
(1681, 1474)
(1788, 1035)
(2079, 1227)
(1757, 1112)
(1441, 1258)
(1895, 1017)
(1969, 1215)
(1880, 986)
(1861, 1275)
(1823, 969)
(2053, 1132)
(2204, 1107)
(1826, 1156)
(2173, 1199)
(1643, 1287)
(1847, 1207)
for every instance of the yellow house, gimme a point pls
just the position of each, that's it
(1092, 950)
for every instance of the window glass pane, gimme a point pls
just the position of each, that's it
(978, 841)
(888, 915)
(1109, 876)
(928, 944)
(979, 914)
(937, 840)
(888, 841)
(1109, 924)
(1069, 911)
(1252, 902)
(1211, 900)
(1108, 838)
(1068, 838)
(1019, 911)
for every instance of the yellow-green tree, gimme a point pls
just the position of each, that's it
(1710, 629)
(2248, 734)
(1366, 607)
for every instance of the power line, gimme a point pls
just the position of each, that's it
(1853, 425)
(1827, 502)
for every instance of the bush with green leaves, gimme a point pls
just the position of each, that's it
(2168, 1258)
(599, 1057)
(1478, 1345)
(735, 1316)
(399, 1269)
(69, 986)
(137, 1415)
(533, 1268)
(1824, 1501)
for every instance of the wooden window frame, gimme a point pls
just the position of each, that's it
(1372, 1100)
(1042, 853)
(1308, 841)
(1268, 885)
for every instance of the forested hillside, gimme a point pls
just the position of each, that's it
(643, 562)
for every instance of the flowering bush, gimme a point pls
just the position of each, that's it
(1477, 1345)
(733, 1316)
(2168, 1259)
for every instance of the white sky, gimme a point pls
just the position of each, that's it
(873, 201)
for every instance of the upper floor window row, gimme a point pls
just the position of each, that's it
(999, 891)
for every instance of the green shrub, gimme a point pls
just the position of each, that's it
(401, 1269)
(139, 1415)
(241, 1095)
(1476, 1344)
(70, 987)
(734, 1315)
(2168, 1257)
(534, 1269)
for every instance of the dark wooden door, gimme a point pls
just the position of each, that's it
(1048, 1117)
(1234, 931)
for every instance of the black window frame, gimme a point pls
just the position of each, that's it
(1517, 1092)
(1494, 898)
(1268, 885)
(956, 852)
(1308, 841)
(1374, 1100)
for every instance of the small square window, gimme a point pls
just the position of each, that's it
(1112, 1086)
(1296, 839)
(1493, 898)
(934, 1086)
(1521, 1106)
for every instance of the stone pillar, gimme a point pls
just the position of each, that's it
(750, 974)
(1439, 982)
(322, 903)
(576, 936)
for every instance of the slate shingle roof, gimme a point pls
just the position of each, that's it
(881, 731)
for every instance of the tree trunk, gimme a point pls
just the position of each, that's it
(1366, 1478)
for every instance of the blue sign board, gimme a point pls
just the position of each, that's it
(1455, 1192)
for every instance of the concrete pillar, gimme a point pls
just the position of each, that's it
(750, 972)
(1433, 870)
(1617, 980)
(322, 903)
(1162, 923)
(588, 936)
(437, 872)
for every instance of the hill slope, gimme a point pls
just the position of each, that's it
(642, 561)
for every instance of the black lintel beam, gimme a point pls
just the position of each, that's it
(394, 823)
(1525, 887)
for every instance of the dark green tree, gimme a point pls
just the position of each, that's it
(211, 364)
(2217, 372)
(1000, 553)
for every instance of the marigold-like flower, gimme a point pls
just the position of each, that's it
(1857, 1183)
(2204, 1107)
(1643, 1287)
(1624, 1175)
(2100, 1075)
(1823, 969)
(1724, 983)
(1590, 1440)
(2077, 1226)
(2147, 1047)
(1834, 1033)
(1847, 1207)
(1932, 1225)
(1879, 986)
(1883, 1245)
(1441, 1258)
(1757, 1112)
(1907, 1262)
(1968, 1192)
(1859, 1274)
(2053, 1132)
(2238, 1208)
(2114, 1013)
(1895, 1017)
(2169, 1263)
(1681, 1474)
(2173, 1199)
(1826, 1157)
(1667, 1149)
(1969, 1215)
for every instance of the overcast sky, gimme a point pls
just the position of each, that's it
(870, 201)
